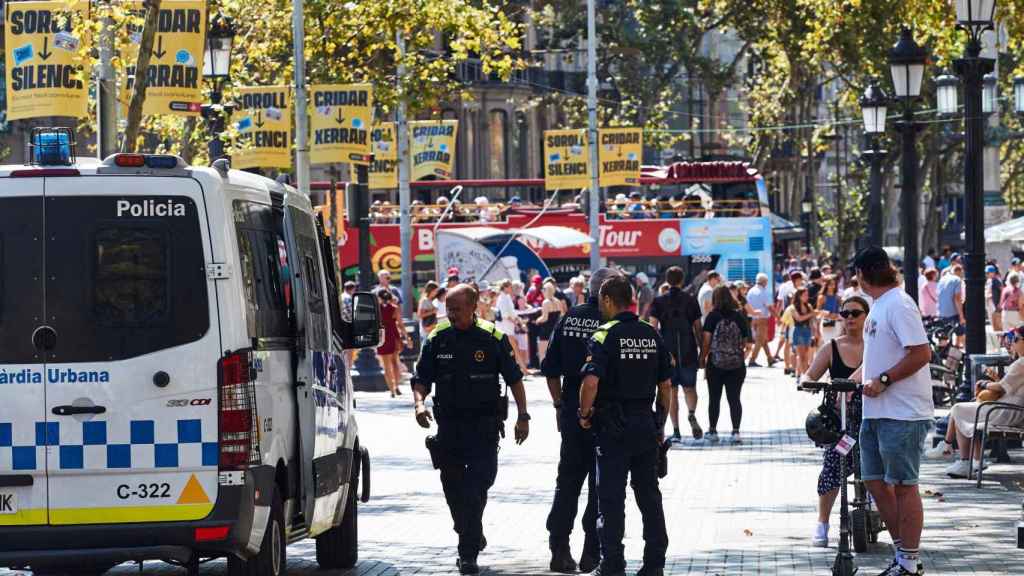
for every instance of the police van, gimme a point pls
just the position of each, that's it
(171, 375)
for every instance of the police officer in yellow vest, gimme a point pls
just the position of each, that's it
(463, 358)
(627, 367)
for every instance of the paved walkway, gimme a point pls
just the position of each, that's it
(732, 510)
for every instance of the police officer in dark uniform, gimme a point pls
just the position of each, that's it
(463, 357)
(627, 367)
(561, 366)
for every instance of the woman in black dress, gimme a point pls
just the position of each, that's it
(840, 357)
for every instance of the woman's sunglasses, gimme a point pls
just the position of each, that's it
(848, 313)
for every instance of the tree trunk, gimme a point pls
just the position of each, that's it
(134, 120)
(188, 149)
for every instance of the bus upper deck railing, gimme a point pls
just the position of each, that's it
(388, 213)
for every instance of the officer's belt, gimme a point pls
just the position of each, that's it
(442, 410)
(630, 404)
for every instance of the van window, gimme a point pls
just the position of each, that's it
(21, 271)
(306, 236)
(132, 276)
(120, 286)
(265, 271)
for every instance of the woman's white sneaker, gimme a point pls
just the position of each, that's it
(820, 539)
(941, 451)
(958, 469)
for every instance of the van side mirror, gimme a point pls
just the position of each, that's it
(366, 330)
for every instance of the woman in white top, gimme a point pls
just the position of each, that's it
(427, 312)
(962, 425)
(439, 298)
(507, 319)
(506, 307)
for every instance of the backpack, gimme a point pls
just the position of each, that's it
(727, 351)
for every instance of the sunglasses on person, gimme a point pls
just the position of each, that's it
(844, 314)
(1014, 335)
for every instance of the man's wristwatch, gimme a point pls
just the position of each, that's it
(524, 417)
(557, 405)
(884, 379)
(589, 415)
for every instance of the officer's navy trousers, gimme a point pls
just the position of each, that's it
(575, 464)
(469, 470)
(635, 453)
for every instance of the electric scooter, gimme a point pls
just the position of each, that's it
(844, 564)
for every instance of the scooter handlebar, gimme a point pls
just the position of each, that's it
(836, 385)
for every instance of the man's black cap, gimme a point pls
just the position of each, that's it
(871, 258)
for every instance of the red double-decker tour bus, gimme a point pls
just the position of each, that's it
(700, 215)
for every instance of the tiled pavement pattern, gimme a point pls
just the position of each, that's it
(731, 510)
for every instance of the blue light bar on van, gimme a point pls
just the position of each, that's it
(161, 161)
(153, 161)
(51, 148)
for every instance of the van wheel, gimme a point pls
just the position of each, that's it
(272, 557)
(339, 546)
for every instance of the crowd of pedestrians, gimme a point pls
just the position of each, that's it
(856, 323)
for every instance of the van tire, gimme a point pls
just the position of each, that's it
(272, 557)
(339, 546)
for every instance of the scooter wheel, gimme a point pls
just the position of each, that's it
(859, 530)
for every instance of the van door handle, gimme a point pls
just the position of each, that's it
(72, 410)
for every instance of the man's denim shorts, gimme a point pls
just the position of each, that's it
(891, 450)
(685, 376)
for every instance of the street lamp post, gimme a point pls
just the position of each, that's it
(906, 63)
(1018, 95)
(220, 41)
(874, 106)
(975, 17)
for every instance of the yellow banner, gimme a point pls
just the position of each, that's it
(383, 174)
(340, 121)
(384, 168)
(565, 159)
(432, 148)
(263, 118)
(175, 73)
(45, 76)
(385, 146)
(619, 155)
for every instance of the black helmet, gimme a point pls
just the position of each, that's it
(823, 425)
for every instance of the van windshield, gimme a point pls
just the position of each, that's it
(124, 276)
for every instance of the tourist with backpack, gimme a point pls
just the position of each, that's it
(676, 315)
(726, 334)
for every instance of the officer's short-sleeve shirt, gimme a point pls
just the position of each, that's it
(551, 365)
(507, 366)
(602, 349)
(425, 366)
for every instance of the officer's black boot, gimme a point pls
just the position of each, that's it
(591, 556)
(645, 571)
(468, 566)
(561, 559)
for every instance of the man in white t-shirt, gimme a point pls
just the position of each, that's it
(704, 294)
(898, 407)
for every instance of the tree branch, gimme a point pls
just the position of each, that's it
(134, 120)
